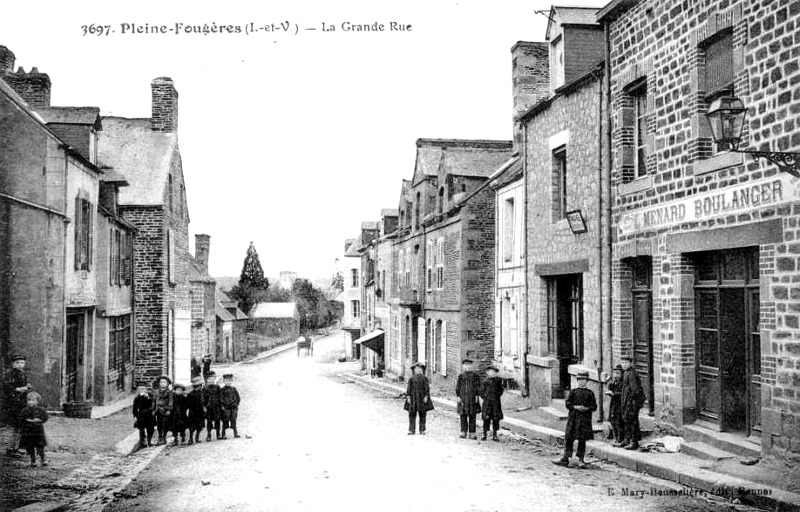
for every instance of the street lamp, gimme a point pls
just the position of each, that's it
(726, 117)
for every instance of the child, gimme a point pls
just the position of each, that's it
(631, 401)
(15, 387)
(143, 411)
(615, 407)
(179, 413)
(31, 426)
(580, 403)
(491, 391)
(211, 405)
(195, 415)
(467, 388)
(229, 402)
(418, 399)
(163, 399)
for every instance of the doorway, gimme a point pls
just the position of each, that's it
(565, 326)
(727, 339)
(642, 297)
(74, 356)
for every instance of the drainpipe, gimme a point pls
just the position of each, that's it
(606, 166)
(602, 313)
(526, 381)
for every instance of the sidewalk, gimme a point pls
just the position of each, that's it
(88, 459)
(768, 484)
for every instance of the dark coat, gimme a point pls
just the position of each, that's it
(632, 394)
(180, 412)
(615, 405)
(31, 435)
(468, 387)
(229, 397)
(491, 391)
(144, 411)
(211, 402)
(417, 391)
(194, 407)
(14, 400)
(579, 423)
(163, 400)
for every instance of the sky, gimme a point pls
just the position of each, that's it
(289, 139)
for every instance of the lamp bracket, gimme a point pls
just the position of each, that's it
(786, 162)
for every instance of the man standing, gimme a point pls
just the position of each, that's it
(632, 401)
(468, 388)
(15, 386)
(418, 399)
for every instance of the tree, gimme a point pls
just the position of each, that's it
(253, 286)
(337, 281)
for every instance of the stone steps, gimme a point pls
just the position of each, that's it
(701, 450)
(732, 443)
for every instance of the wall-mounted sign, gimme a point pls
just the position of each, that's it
(733, 200)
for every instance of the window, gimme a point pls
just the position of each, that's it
(441, 328)
(171, 256)
(354, 277)
(417, 209)
(401, 267)
(429, 253)
(440, 204)
(170, 194)
(119, 342)
(383, 285)
(114, 254)
(84, 227)
(552, 317)
(127, 258)
(356, 305)
(719, 63)
(440, 263)
(408, 267)
(559, 183)
(640, 130)
(508, 229)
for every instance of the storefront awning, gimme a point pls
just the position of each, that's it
(373, 340)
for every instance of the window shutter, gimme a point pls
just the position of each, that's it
(78, 229)
(171, 256)
(111, 256)
(89, 234)
(443, 356)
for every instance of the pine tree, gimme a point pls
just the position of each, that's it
(253, 286)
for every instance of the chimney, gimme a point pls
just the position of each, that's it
(530, 79)
(165, 106)
(7, 60)
(33, 87)
(202, 244)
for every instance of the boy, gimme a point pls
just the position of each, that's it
(615, 406)
(143, 411)
(195, 416)
(580, 404)
(15, 387)
(179, 413)
(211, 405)
(163, 399)
(418, 399)
(32, 419)
(467, 387)
(491, 391)
(632, 401)
(229, 401)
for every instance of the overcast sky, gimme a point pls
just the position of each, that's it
(289, 140)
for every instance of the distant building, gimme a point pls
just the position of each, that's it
(272, 324)
(203, 300)
(231, 329)
(286, 280)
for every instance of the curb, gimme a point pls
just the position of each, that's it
(710, 482)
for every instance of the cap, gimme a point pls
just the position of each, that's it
(165, 377)
(626, 358)
(466, 361)
(618, 368)
(492, 368)
(227, 375)
(179, 386)
(583, 375)
(211, 374)
(18, 357)
(197, 381)
(418, 363)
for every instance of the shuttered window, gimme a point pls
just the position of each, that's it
(84, 224)
(719, 63)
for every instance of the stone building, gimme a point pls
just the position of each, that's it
(231, 329)
(565, 235)
(444, 257)
(706, 239)
(203, 298)
(272, 324)
(146, 152)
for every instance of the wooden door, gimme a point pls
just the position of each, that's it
(74, 350)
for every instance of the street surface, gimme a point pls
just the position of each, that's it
(317, 442)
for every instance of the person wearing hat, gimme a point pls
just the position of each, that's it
(211, 405)
(468, 387)
(229, 400)
(180, 409)
(206, 365)
(195, 415)
(615, 406)
(581, 404)
(492, 409)
(418, 399)
(144, 412)
(15, 387)
(632, 400)
(163, 399)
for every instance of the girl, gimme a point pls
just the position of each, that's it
(31, 425)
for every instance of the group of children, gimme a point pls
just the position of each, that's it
(169, 408)
(24, 413)
(483, 396)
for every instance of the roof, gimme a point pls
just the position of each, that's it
(275, 310)
(71, 115)
(571, 15)
(389, 212)
(195, 273)
(369, 224)
(613, 8)
(476, 162)
(354, 247)
(144, 156)
(112, 176)
(223, 314)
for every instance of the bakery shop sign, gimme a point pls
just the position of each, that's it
(750, 196)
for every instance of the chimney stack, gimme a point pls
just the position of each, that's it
(530, 75)
(33, 87)
(202, 244)
(165, 106)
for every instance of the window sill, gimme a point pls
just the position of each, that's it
(717, 162)
(637, 185)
